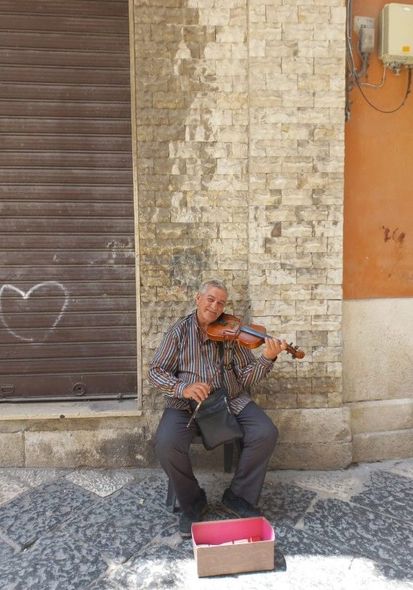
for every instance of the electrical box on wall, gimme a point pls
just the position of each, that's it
(396, 34)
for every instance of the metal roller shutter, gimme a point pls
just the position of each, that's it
(67, 263)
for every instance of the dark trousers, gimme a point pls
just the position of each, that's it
(173, 440)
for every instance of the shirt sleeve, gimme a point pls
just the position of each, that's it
(249, 370)
(164, 366)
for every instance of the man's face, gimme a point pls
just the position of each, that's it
(210, 305)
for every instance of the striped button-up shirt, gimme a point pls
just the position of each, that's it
(185, 356)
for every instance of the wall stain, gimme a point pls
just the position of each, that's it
(393, 235)
(397, 237)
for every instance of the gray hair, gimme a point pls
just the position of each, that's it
(212, 283)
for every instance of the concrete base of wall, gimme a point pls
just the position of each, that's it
(11, 449)
(88, 434)
(319, 456)
(85, 445)
(377, 353)
(378, 377)
(309, 439)
(381, 446)
(382, 429)
(328, 438)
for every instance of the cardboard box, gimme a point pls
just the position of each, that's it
(233, 546)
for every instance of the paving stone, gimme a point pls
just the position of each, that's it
(362, 532)
(102, 482)
(390, 494)
(32, 477)
(342, 485)
(6, 551)
(29, 515)
(10, 487)
(285, 503)
(165, 567)
(55, 562)
(152, 489)
(171, 564)
(120, 505)
(294, 541)
(404, 468)
(119, 536)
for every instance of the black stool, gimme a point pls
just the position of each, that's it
(229, 448)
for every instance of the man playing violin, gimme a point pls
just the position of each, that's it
(185, 367)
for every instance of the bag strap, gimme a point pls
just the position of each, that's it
(221, 367)
(221, 362)
(194, 407)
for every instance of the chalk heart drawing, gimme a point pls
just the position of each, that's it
(26, 295)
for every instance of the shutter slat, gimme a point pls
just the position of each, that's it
(68, 75)
(61, 58)
(100, 385)
(92, 7)
(62, 143)
(62, 159)
(64, 24)
(64, 126)
(74, 41)
(66, 208)
(67, 192)
(64, 92)
(24, 323)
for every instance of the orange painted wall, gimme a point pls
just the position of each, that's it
(378, 206)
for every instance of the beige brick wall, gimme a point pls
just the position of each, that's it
(240, 139)
(296, 134)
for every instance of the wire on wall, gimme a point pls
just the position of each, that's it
(409, 81)
(354, 75)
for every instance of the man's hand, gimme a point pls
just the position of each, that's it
(197, 391)
(273, 347)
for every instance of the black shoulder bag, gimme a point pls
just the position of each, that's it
(213, 416)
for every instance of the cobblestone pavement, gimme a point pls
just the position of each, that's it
(110, 530)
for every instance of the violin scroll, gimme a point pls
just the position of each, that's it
(295, 352)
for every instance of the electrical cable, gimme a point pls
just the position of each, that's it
(354, 75)
(380, 84)
(349, 34)
(409, 81)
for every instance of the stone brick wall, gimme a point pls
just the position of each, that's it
(296, 134)
(240, 139)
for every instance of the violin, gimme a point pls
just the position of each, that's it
(228, 328)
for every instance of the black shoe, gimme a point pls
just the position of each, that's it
(238, 505)
(194, 514)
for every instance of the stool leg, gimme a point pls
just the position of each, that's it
(171, 497)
